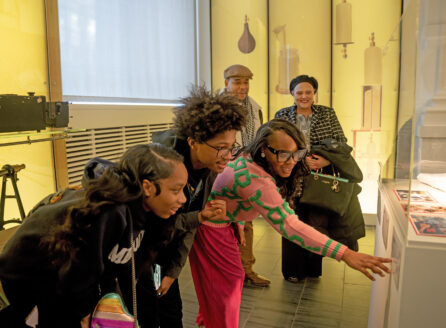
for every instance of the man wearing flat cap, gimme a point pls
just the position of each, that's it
(237, 83)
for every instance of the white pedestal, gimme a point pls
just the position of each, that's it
(414, 295)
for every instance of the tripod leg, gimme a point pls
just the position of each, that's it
(2, 203)
(17, 196)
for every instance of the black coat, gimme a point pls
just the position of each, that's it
(187, 217)
(351, 225)
(27, 268)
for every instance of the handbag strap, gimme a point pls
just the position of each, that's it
(135, 315)
(319, 173)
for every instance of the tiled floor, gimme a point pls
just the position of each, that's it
(340, 298)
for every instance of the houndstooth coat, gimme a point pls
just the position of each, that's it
(324, 123)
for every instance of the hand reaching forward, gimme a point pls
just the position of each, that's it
(213, 210)
(362, 262)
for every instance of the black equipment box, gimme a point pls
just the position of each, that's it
(25, 113)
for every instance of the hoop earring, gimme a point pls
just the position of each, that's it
(262, 154)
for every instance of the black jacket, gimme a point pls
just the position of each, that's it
(104, 255)
(187, 217)
(339, 154)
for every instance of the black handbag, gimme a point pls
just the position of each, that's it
(327, 191)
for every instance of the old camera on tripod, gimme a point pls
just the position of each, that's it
(25, 113)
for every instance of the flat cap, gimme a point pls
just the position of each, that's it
(237, 70)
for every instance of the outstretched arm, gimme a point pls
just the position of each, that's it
(270, 204)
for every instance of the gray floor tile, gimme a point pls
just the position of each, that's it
(339, 298)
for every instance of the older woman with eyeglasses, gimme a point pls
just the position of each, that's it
(328, 153)
(261, 180)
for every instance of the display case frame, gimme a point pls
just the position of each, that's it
(411, 213)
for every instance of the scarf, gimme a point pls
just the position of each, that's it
(248, 132)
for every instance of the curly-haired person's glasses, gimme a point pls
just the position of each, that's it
(224, 152)
(284, 156)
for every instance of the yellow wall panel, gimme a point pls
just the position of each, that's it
(380, 17)
(23, 68)
(23, 64)
(228, 17)
(307, 31)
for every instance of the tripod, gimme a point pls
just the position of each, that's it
(10, 172)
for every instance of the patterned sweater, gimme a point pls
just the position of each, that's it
(249, 191)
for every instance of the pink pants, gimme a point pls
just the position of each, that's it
(218, 276)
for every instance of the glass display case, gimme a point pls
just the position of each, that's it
(411, 217)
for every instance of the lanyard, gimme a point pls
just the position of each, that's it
(193, 193)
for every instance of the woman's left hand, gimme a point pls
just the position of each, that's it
(362, 262)
(166, 282)
(315, 162)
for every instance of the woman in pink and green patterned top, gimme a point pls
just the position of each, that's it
(260, 181)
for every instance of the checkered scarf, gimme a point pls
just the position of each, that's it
(248, 132)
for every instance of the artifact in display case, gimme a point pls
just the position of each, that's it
(371, 107)
(372, 88)
(288, 62)
(246, 43)
(344, 26)
(429, 225)
(423, 207)
(415, 195)
(366, 153)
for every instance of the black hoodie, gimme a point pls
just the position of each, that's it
(27, 267)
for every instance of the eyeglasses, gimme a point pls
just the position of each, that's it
(224, 152)
(284, 156)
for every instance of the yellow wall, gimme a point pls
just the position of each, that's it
(228, 17)
(307, 30)
(314, 57)
(23, 68)
(380, 17)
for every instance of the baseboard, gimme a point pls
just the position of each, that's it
(369, 219)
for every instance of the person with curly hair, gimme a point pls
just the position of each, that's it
(75, 241)
(204, 133)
